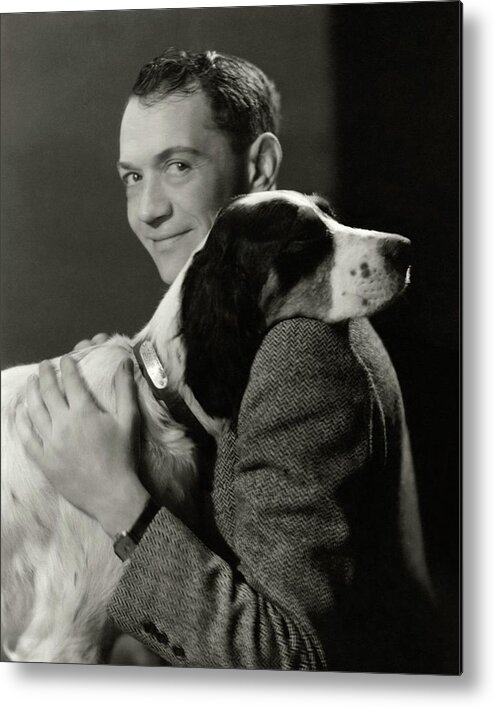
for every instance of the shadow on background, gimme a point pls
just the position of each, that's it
(397, 103)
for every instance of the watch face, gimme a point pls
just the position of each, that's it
(124, 546)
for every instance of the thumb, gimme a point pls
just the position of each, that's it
(126, 394)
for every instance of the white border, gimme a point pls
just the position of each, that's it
(80, 686)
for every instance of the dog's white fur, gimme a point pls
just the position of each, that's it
(58, 566)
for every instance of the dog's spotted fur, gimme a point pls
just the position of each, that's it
(268, 257)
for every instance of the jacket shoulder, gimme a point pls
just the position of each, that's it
(305, 373)
(308, 351)
(313, 363)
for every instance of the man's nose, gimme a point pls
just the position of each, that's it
(155, 205)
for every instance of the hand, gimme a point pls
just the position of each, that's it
(88, 454)
(97, 339)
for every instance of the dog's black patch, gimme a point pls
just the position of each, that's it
(221, 320)
(307, 244)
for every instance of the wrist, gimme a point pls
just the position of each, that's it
(124, 512)
(124, 543)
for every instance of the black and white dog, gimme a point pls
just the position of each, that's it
(268, 257)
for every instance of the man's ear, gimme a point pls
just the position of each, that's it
(264, 162)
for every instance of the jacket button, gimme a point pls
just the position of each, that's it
(161, 638)
(149, 627)
(178, 651)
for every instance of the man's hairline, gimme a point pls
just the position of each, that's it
(158, 95)
(184, 92)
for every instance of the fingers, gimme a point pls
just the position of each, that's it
(126, 393)
(30, 440)
(38, 412)
(74, 384)
(51, 393)
(97, 339)
(100, 338)
(82, 344)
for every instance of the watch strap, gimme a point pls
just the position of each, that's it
(126, 541)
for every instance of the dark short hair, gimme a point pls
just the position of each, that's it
(245, 103)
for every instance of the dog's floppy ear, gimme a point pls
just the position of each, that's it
(221, 321)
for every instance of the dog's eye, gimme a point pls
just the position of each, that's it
(322, 204)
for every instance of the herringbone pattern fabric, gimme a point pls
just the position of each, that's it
(312, 510)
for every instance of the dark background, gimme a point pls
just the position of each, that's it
(371, 119)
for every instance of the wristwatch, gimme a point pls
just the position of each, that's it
(126, 541)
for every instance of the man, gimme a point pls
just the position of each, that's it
(318, 561)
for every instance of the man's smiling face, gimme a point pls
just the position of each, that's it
(178, 169)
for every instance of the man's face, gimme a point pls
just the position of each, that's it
(178, 170)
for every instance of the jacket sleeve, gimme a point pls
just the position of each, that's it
(303, 430)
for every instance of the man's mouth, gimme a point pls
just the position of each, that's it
(169, 237)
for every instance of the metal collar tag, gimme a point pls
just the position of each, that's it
(153, 366)
(155, 375)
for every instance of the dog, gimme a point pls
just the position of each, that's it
(268, 257)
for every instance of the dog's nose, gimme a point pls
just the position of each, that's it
(395, 251)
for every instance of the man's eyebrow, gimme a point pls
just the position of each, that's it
(165, 155)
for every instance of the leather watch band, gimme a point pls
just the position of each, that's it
(125, 542)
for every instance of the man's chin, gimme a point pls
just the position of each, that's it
(171, 256)
(169, 268)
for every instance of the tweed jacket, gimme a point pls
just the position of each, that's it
(313, 557)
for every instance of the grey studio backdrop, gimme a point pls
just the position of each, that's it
(370, 119)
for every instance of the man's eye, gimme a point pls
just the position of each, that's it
(131, 178)
(177, 168)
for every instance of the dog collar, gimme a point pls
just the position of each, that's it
(153, 371)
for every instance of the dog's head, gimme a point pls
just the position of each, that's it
(273, 256)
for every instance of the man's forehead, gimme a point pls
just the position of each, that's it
(187, 113)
